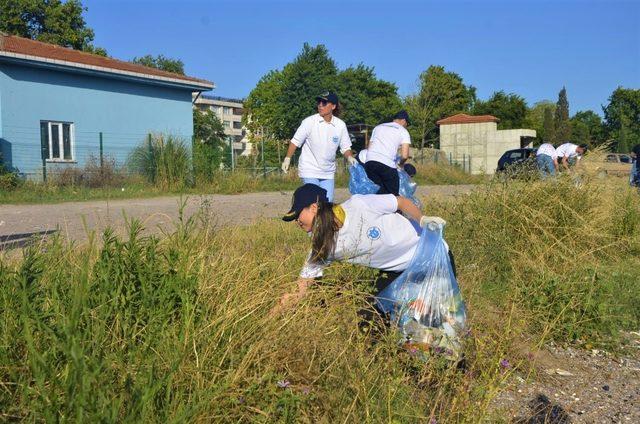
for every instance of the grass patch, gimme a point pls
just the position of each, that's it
(237, 182)
(177, 327)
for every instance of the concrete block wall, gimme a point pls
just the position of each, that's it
(482, 141)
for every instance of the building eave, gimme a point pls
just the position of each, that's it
(193, 85)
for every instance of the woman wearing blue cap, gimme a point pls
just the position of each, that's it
(364, 230)
(320, 136)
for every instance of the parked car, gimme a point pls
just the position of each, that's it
(616, 164)
(517, 161)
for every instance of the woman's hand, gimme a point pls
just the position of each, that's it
(290, 299)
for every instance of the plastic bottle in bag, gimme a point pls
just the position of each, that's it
(424, 302)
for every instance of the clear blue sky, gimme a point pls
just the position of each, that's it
(531, 48)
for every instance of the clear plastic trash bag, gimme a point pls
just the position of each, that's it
(359, 183)
(424, 302)
(408, 188)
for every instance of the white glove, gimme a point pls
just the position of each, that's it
(285, 164)
(435, 220)
(351, 160)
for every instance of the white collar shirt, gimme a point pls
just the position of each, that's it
(319, 141)
(386, 139)
(567, 150)
(373, 235)
(547, 149)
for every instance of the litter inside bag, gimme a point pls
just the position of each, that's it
(425, 302)
(359, 183)
(408, 187)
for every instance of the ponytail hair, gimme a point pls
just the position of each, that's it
(325, 232)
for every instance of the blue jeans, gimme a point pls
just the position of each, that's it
(545, 166)
(634, 178)
(326, 184)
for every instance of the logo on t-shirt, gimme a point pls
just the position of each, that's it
(374, 233)
(336, 139)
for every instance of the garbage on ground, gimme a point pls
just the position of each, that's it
(558, 371)
(425, 302)
(545, 412)
(359, 183)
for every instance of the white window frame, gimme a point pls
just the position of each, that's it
(72, 141)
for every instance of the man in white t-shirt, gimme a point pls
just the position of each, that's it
(320, 136)
(386, 139)
(569, 151)
(547, 160)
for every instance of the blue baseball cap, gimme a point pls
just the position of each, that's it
(304, 196)
(328, 96)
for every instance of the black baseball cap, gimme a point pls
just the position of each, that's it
(410, 169)
(328, 96)
(304, 196)
(402, 115)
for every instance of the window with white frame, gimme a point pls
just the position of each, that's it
(227, 110)
(58, 140)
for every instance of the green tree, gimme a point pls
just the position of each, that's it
(441, 94)
(561, 119)
(161, 62)
(263, 109)
(365, 98)
(549, 127)
(208, 143)
(586, 127)
(540, 118)
(511, 109)
(49, 21)
(311, 73)
(282, 99)
(622, 117)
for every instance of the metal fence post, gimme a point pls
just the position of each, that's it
(101, 152)
(101, 159)
(151, 171)
(264, 165)
(43, 149)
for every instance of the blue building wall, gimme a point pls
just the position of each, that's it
(124, 111)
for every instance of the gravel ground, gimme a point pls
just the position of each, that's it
(18, 223)
(590, 386)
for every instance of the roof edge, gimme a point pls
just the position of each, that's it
(207, 85)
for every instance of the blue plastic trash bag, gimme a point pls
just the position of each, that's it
(425, 302)
(408, 188)
(359, 183)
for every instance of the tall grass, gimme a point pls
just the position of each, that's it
(165, 160)
(177, 328)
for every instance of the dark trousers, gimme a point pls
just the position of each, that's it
(385, 176)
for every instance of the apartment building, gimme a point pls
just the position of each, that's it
(229, 111)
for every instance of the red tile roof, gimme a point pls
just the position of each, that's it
(463, 118)
(51, 52)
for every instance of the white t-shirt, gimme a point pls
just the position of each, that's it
(567, 149)
(319, 140)
(547, 149)
(372, 235)
(386, 139)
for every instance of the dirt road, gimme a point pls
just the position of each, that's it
(18, 223)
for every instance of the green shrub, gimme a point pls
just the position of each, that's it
(165, 160)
